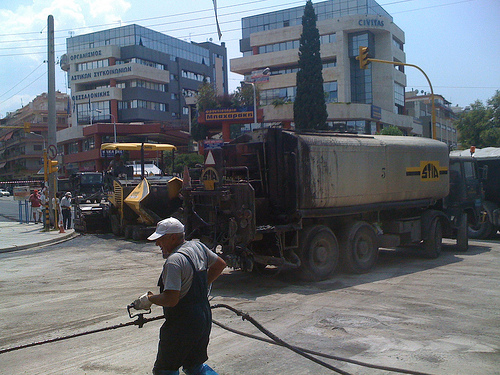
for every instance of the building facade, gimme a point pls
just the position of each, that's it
(21, 153)
(357, 100)
(133, 75)
(420, 106)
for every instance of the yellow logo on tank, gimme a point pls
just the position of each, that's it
(428, 171)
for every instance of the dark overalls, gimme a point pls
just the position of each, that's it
(185, 334)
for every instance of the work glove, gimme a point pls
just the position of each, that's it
(142, 303)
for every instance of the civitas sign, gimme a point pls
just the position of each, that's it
(367, 22)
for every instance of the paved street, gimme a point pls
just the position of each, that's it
(435, 316)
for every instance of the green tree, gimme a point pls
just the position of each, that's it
(206, 97)
(243, 97)
(391, 130)
(190, 160)
(309, 107)
(198, 131)
(480, 126)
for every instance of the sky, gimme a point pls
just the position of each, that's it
(456, 42)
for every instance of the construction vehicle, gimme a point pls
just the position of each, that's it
(310, 201)
(488, 160)
(137, 204)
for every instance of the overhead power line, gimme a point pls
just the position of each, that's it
(25, 78)
(28, 85)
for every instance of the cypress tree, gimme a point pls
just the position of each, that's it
(309, 108)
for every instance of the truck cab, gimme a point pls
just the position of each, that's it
(466, 191)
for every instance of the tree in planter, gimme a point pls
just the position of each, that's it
(309, 108)
(391, 130)
(181, 160)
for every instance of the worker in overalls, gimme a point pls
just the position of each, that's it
(189, 269)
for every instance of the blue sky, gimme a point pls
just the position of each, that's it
(456, 42)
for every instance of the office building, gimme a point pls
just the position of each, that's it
(358, 100)
(420, 106)
(21, 152)
(133, 75)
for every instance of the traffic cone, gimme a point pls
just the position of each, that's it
(61, 227)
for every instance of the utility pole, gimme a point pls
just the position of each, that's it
(51, 138)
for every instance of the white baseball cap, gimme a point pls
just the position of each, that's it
(167, 226)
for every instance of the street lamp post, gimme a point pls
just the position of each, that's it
(114, 122)
(114, 125)
(265, 72)
(254, 105)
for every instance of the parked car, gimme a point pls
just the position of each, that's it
(4, 193)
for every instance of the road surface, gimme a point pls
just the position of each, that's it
(434, 316)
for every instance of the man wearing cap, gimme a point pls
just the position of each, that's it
(66, 210)
(36, 206)
(189, 269)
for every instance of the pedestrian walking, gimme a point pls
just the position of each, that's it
(36, 206)
(189, 269)
(66, 210)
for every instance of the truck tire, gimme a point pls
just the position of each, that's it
(319, 253)
(127, 232)
(462, 234)
(115, 225)
(485, 229)
(359, 248)
(434, 242)
(139, 233)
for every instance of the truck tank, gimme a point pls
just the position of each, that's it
(311, 173)
(354, 170)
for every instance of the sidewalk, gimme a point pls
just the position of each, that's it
(16, 236)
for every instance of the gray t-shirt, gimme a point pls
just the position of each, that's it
(178, 273)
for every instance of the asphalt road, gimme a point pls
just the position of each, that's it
(434, 316)
(9, 209)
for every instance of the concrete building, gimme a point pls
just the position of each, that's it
(21, 153)
(133, 75)
(357, 100)
(420, 107)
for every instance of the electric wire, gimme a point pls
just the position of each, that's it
(28, 85)
(21, 81)
(197, 19)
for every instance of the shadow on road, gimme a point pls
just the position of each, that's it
(391, 264)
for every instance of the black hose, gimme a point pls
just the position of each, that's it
(140, 321)
(276, 339)
(319, 354)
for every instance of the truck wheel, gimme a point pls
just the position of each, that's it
(127, 232)
(462, 234)
(359, 248)
(115, 225)
(482, 230)
(319, 253)
(137, 233)
(434, 242)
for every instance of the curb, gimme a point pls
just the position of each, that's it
(52, 241)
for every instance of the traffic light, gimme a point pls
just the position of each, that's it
(27, 127)
(363, 57)
(53, 166)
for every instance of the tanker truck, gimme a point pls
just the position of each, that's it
(311, 201)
